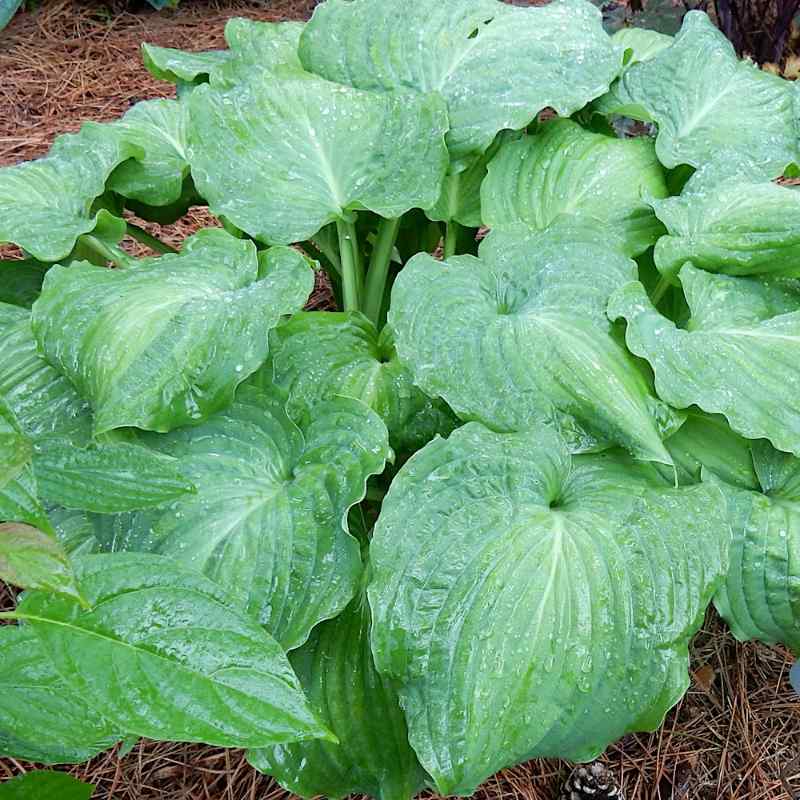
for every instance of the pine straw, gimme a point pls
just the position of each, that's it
(727, 740)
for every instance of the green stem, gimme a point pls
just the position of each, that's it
(660, 290)
(451, 239)
(379, 267)
(108, 252)
(351, 266)
(141, 235)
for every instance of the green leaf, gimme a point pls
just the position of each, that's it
(760, 598)
(322, 149)
(640, 44)
(167, 342)
(528, 610)
(373, 756)
(737, 356)
(356, 362)
(520, 335)
(21, 281)
(44, 402)
(45, 205)
(496, 66)
(706, 442)
(707, 102)
(32, 559)
(181, 66)
(15, 447)
(42, 720)
(106, 479)
(162, 654)
(738, 225)
(269, 517)
(158, 129)
(39, 785)
(565, 169)
(7, 10)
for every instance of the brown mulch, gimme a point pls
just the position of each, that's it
(730, 737)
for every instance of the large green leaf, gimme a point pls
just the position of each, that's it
(162, 654)
(640, 44)
(740, 224)
(737, 357)
(322, 149)
(40, 719)
(181, 66)
(706, 442)
(269, 518)
(41, 784)
(496, 66)
(528, 609)
(43, 401)
(354, 361)
(521, 335)
(7, 10)
(106, 479)
(166, 343)
(15, 447)
(32, 559)
(21, 281)
(45, 205)
(565, 169)
(760, 598)
(707, 102)
(158, 129)
(362, 709)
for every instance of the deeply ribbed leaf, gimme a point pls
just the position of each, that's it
(166, 343)
(162, 654)
(45, 205)
(496, 66)
(707, 102)
(268, 521)
(521, 335)
(362, 709)
(760, 598)
(528, 610)
(43, 401)
(565, 169)
(354, 361)
(322, 149)
(15, 447)
(739, 225)
(738, 356)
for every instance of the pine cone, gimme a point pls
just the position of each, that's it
(591, 782)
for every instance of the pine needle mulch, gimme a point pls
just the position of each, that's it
(736, 734)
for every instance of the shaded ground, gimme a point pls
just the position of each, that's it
(738, 726)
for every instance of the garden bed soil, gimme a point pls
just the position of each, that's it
(735, 734)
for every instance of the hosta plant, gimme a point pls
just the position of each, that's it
(475, 514)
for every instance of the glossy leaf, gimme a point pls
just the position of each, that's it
(736, 225)
(15, 447)
(269, 518)
(43, 401)
(42, 720)
(527, 611)
(353, 360)
(32, 559)
(167, 342)
(707, 102)
(496, 66)
(520, 335)
(640, 44)
(181, 66)
(106, 479)
(565, 169)
(760, 598)
(41, 784)
(373, 756)
(158, 129)
(737, 356)
(45, 205)
(163, 655)
(322, 149)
